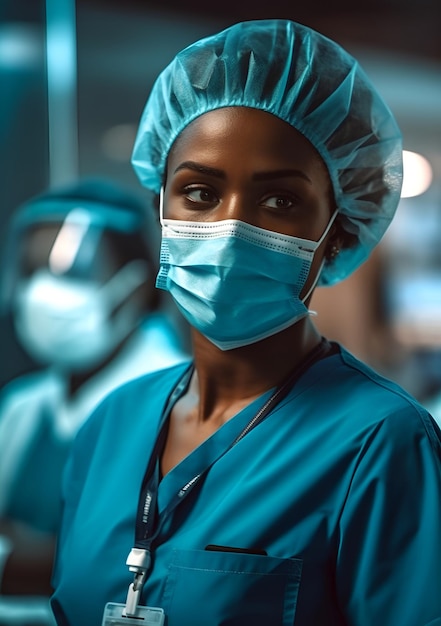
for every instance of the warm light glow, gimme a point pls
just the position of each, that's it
(417, 174)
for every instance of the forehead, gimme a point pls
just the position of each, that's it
(246, 133)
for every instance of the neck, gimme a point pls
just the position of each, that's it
(224, 381)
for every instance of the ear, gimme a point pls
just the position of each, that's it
(335, 243)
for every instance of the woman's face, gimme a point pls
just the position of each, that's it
(245, 164)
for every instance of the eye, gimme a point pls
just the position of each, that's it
(200, 195)
(281, 201)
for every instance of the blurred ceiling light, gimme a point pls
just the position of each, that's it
(417, 174)
(117, 142)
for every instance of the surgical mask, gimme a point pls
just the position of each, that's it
(235, 283)
(68, 322)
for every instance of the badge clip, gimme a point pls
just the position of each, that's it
(139, 561)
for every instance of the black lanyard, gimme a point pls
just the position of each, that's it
(147, 505)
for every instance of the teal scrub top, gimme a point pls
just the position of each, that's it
(340, 486)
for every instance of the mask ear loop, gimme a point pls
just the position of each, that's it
(327, 229)
(161, 205)
(316, 279)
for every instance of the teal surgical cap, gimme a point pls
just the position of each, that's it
(306, 80)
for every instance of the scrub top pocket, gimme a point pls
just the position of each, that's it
(209, 588)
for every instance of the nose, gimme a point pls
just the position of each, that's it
(237, 206)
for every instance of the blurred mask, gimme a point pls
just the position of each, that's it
(73, 323)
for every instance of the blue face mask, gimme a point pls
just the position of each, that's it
(234, 282)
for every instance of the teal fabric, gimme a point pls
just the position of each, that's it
(340, 485)
(35, 492)
(306, 80)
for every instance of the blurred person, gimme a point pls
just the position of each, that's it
(78, 278)
(274, 478)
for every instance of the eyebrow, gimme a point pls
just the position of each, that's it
(258, 176)
(201, 169)
(290, 173)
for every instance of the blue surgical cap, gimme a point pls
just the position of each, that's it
(306, 80)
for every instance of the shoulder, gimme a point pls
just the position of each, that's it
(345, 371)
(364, 401)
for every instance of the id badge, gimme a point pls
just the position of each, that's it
(145, 616)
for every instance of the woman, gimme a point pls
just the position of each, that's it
(275, 479)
